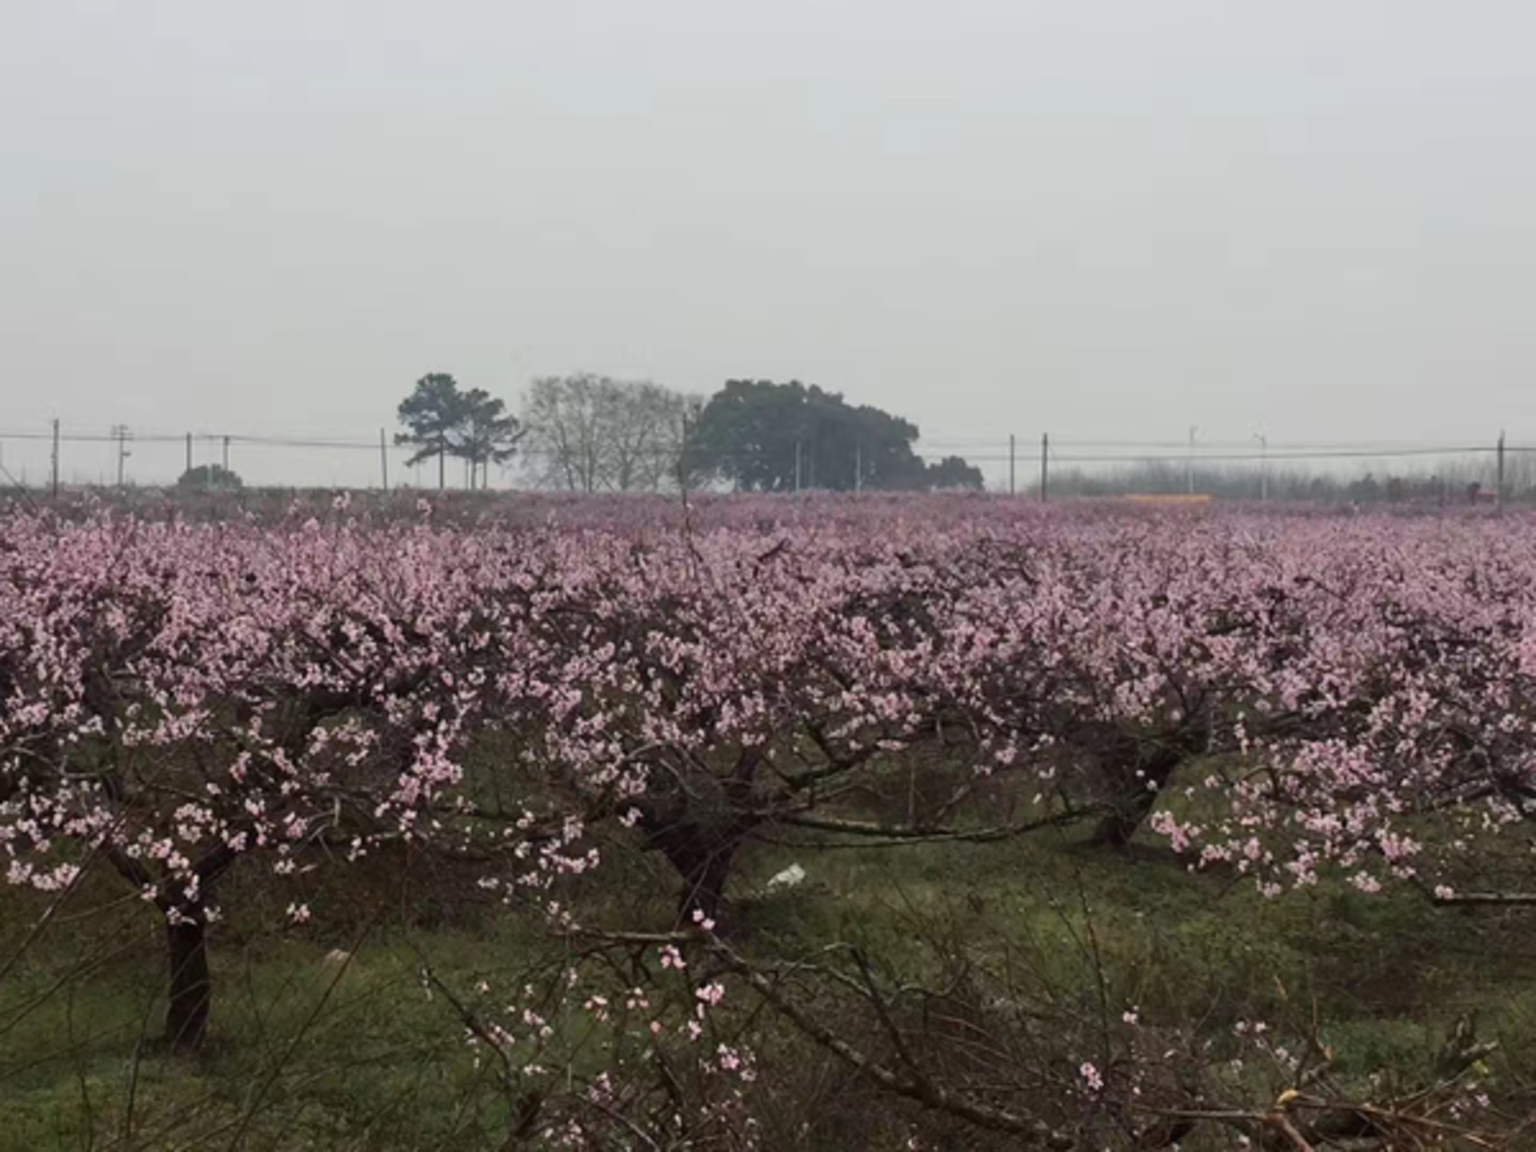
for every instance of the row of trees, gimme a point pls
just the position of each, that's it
(589, 433)
(1463, 481)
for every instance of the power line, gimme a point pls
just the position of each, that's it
(1221, 457)
(992, 451)
(1209, 449)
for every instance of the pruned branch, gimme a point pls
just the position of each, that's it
(918, 834)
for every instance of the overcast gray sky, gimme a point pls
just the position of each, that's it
(1108, 218)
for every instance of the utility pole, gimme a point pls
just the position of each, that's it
(225, 456)
(55, 483)
(1010, 464)
(797, 465)
(1263, 467)
(189, 451)
(1189, 463)
(1045, 468)
(858, 467)
(1498, 495)
(682, 456)
(383, 461)
(120, 434)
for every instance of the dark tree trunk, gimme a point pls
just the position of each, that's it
(705, 865)
(186, 1019)
(1118, 829)
(701, 853)
(1136, 795)
(699, 831)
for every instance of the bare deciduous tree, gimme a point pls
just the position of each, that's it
(589, 433)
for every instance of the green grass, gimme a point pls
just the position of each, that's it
(1386, 975)
(303, 1054)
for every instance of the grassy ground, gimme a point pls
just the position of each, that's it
(309, 1052)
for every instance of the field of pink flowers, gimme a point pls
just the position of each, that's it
(547, 692)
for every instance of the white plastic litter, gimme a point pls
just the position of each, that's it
(788, 878)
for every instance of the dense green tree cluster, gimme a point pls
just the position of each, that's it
(209, 477)
(766, 437)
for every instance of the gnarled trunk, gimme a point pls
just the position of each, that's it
(1137, 775)
(701, 851)
(1118, 828)
(699, 831)
(703, 859)
(186, 1019)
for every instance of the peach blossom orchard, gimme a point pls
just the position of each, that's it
(1303, 698)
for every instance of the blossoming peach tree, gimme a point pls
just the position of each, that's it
(179, 697)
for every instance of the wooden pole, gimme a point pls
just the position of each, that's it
(1498, 495)
(120, 434)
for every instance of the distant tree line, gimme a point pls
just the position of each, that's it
(1461, 481)
(590, 433)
